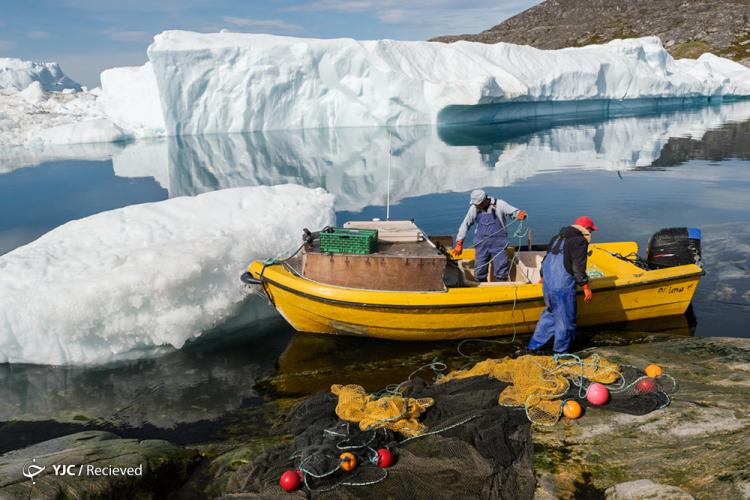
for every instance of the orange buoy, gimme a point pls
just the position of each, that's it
(653, 371)
(348, 461)
(572, 409)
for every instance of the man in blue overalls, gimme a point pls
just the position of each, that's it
(563, 268)
(491, 238)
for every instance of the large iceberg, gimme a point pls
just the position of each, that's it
(231, 82)
(145, 275)
(206, 83)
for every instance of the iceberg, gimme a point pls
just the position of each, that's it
(146, 275)
(233, 82)
(210, 83)
(16, 74)
(34, 118)
(130, 98)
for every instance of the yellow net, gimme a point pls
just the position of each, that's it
(391, 412)
(538, 382)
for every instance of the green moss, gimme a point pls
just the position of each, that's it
(547, 457)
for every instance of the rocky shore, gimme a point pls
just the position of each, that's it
(695, 448)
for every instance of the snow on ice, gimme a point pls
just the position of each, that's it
(145, 275)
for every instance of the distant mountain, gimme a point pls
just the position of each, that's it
(686, 28)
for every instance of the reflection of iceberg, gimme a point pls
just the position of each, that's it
(202, 381)
(15, 157)
(354, 164)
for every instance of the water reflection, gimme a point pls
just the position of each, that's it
(198, 386)
(202, 381)
(355, 164)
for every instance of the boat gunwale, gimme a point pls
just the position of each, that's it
(374, 305)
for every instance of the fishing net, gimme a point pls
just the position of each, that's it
(452, 439)
(540, 384)
(472, 448)
(389, 412)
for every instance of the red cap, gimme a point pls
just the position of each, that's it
(586, 222)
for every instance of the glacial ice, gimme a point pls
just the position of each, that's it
(16, 74)
(34, 118)
(231, 82)
(130, 98)
(145, 275)
(206, 83)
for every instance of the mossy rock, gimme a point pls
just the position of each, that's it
(698, 444)
(164, 467)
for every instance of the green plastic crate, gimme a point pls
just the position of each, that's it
(348, 240)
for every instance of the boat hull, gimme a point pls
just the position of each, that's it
(472, 312)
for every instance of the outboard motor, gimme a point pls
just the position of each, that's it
(674, 246)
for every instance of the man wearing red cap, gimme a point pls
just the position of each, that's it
(563, 268)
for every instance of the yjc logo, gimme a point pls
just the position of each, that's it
(64, 470)
(32, 470)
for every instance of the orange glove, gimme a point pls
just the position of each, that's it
(587, 295)
(456, 251)
(521, 215)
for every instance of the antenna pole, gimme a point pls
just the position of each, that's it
(388, 191)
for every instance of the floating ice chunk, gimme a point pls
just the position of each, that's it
(145, 275)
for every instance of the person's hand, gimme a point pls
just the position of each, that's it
(521, 215)
(456, 251)
(587, 295)
(541, 279)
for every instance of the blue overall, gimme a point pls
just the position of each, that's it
(559, 318)
(490, 241)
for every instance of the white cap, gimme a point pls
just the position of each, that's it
(478, 196)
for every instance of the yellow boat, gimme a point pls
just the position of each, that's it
(463, 308)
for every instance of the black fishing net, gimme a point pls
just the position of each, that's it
(473, 448)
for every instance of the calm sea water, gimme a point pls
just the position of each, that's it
(633, 175)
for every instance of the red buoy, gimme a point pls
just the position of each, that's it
(385, 458)
(290, 480)
(645, 385)
(597, 394)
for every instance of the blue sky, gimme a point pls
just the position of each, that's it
(87, 36)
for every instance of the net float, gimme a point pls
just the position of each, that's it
(653, 371)
(348, 461)
(290, 480)
(597, 394)
(572, 409)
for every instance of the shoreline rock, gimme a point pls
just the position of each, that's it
(700, 443)
(163, 468)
